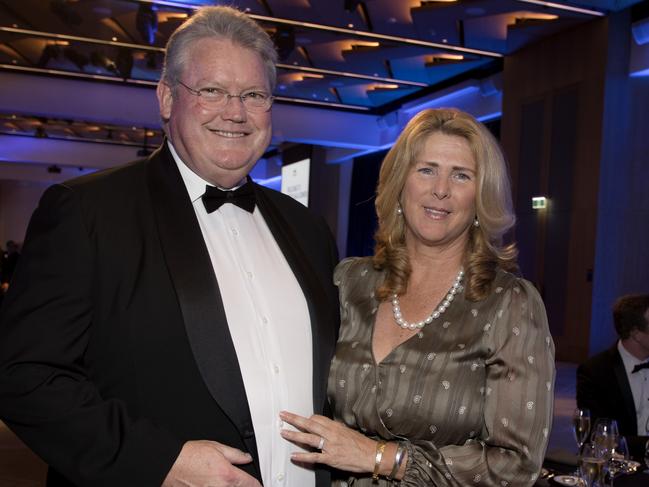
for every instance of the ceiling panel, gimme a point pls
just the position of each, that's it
(365, 55)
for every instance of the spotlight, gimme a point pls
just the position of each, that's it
(146, 22)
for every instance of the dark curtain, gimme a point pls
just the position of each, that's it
(362, 216)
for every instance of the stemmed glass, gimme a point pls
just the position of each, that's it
(591, 464)
(617, 457)
(605, 433)
(580, 428)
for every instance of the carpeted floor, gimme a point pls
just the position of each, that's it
(19, 467)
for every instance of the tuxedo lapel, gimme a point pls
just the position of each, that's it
(284, 233)
(625, 388)
(199, 298)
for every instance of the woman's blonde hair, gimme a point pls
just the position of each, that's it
(485, 252)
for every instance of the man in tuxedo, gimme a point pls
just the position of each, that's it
(615, 383)
(156, 324)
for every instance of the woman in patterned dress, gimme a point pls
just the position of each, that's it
(444, 369)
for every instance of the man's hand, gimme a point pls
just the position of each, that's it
(205, 463)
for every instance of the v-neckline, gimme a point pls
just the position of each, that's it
(393, 350)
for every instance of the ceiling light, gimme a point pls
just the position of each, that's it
(443, 58)
(303, 76)
(167, 16)
(384, 87)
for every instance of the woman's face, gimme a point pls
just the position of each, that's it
(438, 198)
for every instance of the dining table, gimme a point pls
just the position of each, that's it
(553, 469)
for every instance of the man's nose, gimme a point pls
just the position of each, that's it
(234, 109)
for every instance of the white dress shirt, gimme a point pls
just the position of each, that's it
(269, 323)
(639, 383)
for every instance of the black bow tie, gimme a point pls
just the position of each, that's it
(644, 365)
(243, 197)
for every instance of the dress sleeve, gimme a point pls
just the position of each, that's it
(518, 400)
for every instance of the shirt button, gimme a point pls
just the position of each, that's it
(280, 476)
(280, 423)
(249, 274)
(276, 369)
(264, 320)
(234, 231)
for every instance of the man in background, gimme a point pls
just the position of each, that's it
(164, 312)
(615, 383)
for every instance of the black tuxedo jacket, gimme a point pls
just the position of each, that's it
(114, 345)
(603, 387)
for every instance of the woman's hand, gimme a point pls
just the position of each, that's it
(343, 448)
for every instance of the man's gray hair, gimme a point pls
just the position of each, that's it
(218, 22)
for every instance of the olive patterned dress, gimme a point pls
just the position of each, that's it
(470, 395)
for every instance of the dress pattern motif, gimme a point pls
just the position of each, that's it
(471, 393)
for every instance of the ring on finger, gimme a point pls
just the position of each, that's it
(321, 444)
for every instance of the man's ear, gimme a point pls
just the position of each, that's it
(165, 100)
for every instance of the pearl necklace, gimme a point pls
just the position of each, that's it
(398, 317)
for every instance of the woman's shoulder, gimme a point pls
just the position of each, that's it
(508, 282)
(352, 268)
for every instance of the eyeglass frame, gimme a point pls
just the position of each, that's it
(242, 97)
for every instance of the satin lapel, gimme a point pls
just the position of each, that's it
(623, 382)
(285, 236)
(191, 272)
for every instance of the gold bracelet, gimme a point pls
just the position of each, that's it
(380, 447)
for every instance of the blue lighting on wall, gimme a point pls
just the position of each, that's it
(272, 183)
(640, 74)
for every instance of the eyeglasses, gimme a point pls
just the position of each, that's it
(215, 98)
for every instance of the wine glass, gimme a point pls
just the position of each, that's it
(580, 428)
(591, 464)
(617, 458)
(581, 425)
(605, 433)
